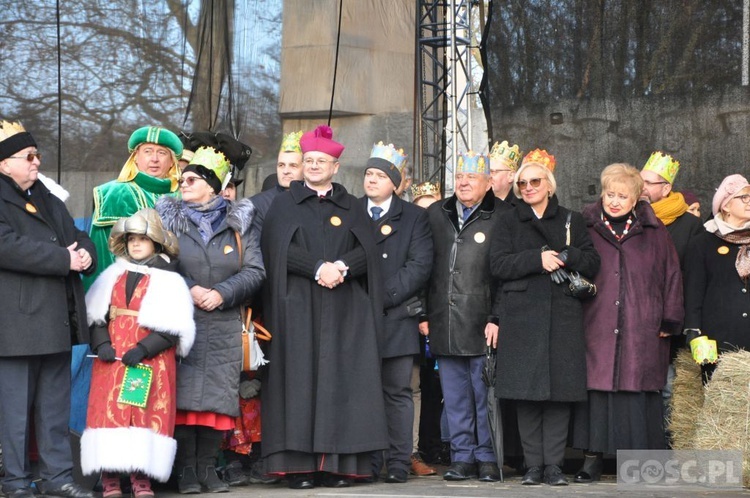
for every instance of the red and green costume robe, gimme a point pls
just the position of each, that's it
(121, 437)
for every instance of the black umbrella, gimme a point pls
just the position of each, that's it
(493, 408)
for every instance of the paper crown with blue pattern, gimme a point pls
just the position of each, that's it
(388, 152)
(472, 162)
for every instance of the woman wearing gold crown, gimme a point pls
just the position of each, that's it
(222, 278)
(42, 314)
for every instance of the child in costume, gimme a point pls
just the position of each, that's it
(140, 312)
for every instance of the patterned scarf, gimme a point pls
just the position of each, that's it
(670, 208)
(737, 236)
(207, 216)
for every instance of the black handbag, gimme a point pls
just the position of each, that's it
(579, 286)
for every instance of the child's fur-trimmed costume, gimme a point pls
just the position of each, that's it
(121, 437)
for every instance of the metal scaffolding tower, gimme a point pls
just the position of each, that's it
(444, 88)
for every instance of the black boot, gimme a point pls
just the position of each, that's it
(185, 460)
(207, 446)
(591, 470)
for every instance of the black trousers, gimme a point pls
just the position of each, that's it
(543, 426)
(44, 383)
(399, 412)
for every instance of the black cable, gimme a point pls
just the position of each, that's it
(336, 61)
(59, 96)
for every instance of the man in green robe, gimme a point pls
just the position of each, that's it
(150, 172)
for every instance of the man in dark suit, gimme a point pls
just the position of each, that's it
(42, 314)
(404, 241)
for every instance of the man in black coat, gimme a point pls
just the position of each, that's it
(404, 242)
(322, 407)
(462, 317)
(42, 314)
(288, 169)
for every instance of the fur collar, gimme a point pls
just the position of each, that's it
(239, 218)
(166, 307)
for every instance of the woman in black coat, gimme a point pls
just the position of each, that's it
(717, 294)
(541, 359)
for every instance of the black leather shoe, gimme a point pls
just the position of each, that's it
(335, 481)
(20, 493)
(532, 477)
(397, 476)
(554, 477)
(460, 471)
(69, 490)
(301, 481)
(591, 470)
(489, 472)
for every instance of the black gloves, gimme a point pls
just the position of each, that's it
(414, 306)
(559, 276)
(134, 356)
(106, 352)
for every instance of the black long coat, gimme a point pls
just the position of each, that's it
(717, 301)
(460, 297)
(541, 352)
(35, 276)
(404, 244)
(322, 391)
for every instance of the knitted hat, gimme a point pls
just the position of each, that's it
(690, 197)
(145, 222)
(387, 159)
(728, 188)
(13, 137)
(211, 165)
(321, 140)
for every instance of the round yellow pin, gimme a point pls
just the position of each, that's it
(723, 250)
(479, 237)
(335, 221)
(30, 207)
(386, 229)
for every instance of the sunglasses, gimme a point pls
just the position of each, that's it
(29, 157)
(534, 182)
(189, 180)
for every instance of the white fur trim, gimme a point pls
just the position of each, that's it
(54, 188)
(127, 449)
(166, 307)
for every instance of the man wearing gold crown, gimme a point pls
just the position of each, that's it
(323, 300)
(503, 165)
(462, 313)
(288, 169)
(42, 315)
(670, 207)
(402, 237)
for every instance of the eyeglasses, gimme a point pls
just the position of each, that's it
(190, 180)
(534, 182)
(745, 198)
(319, 162)
(649, 184)
(29, 157)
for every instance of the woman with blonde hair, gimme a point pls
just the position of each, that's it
(540, 346)
(638, 306)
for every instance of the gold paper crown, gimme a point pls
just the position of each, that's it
(8, 129)
(506, 155)
(425, 188)
(290, 142)
(214, 160)
(663, 165)
(541, 157)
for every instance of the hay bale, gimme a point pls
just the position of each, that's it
(687, 401)
(724, 422)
